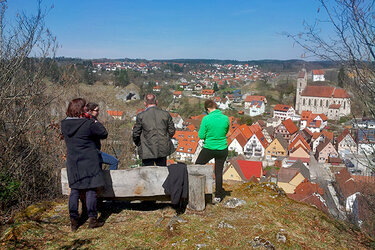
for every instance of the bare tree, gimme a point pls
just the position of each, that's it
(346, 34)
(27, 137)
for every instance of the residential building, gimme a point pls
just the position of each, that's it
(325, 150)
(207, 93)
(278, 147)
(319, 137)
(177, 94)
(318, 75)
(237, 144)
(289, 178)
(256, 145)
(314, 122)
(283, 112)
(268, 133)
(117, 115)
(156, 88)
(365, 139)
(286, 129)
(242, 170)
(346, 144)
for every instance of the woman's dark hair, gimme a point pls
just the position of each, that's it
(91, 106)
(210, 104)
(76, 107)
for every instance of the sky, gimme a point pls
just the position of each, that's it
(166, 29)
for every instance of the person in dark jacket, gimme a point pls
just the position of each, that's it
(83, 160)
(152, 133)
(93, 110)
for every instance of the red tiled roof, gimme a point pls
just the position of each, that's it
(324, 91)
(188, 147)
(255, 127)
(251, 168)
(343, 135)
(298, 138)
(251, 98)
(290, 126)
(318, 72)
(246, 131)
(115, 113)
(207, 91)
(262, 139)
(282, 107)
(157, 87)
(308, 188)
(177, 92)
(305, 114)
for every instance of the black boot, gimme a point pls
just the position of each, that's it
(73, 224)
(94, 223)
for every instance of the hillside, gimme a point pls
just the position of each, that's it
(268, 219)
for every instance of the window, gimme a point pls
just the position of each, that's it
(304, 101)
(327, 103)
(321, 102)
(315, 103)
(309, 102)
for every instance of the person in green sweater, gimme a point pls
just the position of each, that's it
(213, 131)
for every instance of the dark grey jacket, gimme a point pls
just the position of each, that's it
(83, 159)
(152, 133)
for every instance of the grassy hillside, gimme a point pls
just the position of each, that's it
(268, 218)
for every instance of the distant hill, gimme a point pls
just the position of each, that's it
(266, 64)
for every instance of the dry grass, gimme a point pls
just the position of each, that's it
(265, 214)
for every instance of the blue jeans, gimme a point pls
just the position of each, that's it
(110, 160)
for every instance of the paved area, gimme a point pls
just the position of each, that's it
(323, 176)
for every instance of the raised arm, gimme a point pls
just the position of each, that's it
(98, 130)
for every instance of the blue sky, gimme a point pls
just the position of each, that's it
(165, 29)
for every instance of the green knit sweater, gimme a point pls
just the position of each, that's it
(213, 130)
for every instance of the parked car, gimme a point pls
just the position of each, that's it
(348, 163)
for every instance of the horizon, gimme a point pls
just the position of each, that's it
(168, 30)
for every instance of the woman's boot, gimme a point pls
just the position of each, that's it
(73, 224)
(93, 222)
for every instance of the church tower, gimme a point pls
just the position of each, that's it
(301, 85)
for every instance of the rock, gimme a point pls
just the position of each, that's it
(281, 236)
(199, 246)
(223, 224)
(235, 202)
(259, 242)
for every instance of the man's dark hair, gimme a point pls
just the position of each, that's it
(210, 104)
(150, 99)
(91, 106)
(76, 107)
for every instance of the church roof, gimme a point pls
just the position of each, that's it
(325, 91)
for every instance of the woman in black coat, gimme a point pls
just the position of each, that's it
(83, 160)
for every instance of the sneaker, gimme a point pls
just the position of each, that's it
(216, 200)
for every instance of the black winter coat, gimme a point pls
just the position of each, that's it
(152, 133)
(83, 157)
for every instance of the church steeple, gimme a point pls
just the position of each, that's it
(301, 85)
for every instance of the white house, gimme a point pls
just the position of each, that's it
(237, 144)
(177, 94)
(318, 75)
(284, 112)
(346, 144)
(256, 145)
(314, 122)
(207, 93)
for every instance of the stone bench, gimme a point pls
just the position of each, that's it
(145, 183)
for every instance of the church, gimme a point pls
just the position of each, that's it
(332, 101)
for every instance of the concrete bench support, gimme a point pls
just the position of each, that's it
(197, 185)
(145, 183)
